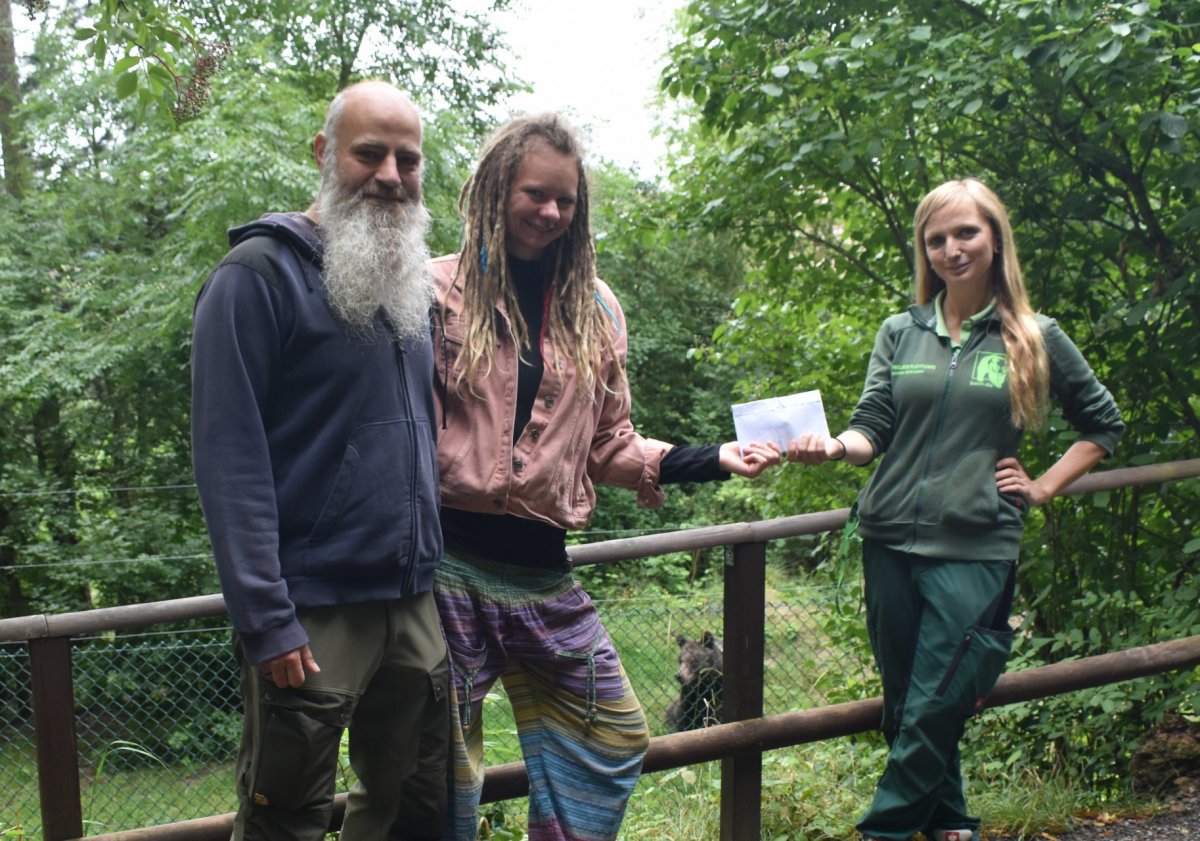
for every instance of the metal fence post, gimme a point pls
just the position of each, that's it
(745, 603)
(57, 752)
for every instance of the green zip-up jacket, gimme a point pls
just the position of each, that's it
(943, 417)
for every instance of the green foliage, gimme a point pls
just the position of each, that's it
(151, 38)
(125, 217)
(817, 129)
(181, 701)
(675, 285)
(450, 55)
(818, 791)
(1060, 732)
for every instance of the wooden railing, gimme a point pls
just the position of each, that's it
(739, 744)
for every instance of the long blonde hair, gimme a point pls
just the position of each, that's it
(1028, 367)
(576, 323)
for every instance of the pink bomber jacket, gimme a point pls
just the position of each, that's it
(571, 441)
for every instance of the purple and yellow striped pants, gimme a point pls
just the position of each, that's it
(581, 728)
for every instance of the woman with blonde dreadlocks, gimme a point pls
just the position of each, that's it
(530, 349)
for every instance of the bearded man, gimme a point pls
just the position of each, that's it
(314, 454)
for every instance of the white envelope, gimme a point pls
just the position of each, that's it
(780, 419)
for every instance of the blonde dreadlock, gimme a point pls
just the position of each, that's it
(1028, 367)
(576, 323)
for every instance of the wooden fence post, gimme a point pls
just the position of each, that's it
(745, 601)
(57, 752)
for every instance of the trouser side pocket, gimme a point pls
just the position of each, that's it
(977, 664)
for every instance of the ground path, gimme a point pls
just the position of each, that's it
(1178, 820)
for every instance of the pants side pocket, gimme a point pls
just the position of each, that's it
(977, 665)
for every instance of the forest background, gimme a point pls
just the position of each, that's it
(801, 136)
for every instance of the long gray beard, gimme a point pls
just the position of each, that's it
(376, 258)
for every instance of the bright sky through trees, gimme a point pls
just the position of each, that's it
(598, 62)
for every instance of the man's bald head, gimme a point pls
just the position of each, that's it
(374, 95)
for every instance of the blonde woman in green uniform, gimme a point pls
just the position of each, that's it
(952, 385)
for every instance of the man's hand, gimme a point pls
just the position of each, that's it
(287, 670)
(748, 461)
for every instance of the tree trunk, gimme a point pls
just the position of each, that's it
(16, 171)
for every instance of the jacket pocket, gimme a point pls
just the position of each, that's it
(376, 504)
(336, 501)
(970, 498)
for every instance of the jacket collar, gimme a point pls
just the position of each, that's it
(925, 315)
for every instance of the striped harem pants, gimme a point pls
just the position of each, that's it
(582, 731)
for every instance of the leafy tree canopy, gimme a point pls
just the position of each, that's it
(819, 126)
(123, 216)
(167, 53)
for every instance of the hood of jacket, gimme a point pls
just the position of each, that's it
(296, 228)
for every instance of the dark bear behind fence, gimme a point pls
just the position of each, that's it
(701, 683)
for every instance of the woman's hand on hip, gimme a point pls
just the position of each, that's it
(1011, 478)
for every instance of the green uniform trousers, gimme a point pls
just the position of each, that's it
(384, 675)
(939, 631)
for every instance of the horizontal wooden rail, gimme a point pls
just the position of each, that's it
(127, 617)
(676, 750)
(739, 744)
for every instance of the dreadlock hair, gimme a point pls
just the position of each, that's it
(575, 320)
(1028, 366)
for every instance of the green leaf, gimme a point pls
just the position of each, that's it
(1173, 125)
(125, 63)
(1192, 546)
(921, 33)
(780, 70)
(126, 84)
(1109, 54)
(771, 89)
(84, 32)
(1188, 222)
(160, 77)
(973, 106)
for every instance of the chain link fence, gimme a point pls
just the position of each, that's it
(158, 717)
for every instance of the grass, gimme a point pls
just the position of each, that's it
(141, 792)
(19, 810)
(816, 792)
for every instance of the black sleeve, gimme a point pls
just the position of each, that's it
(688, 463)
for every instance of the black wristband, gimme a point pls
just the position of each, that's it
(843, 455)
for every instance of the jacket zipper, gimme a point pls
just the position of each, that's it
(940, 421)
(439, 318)
(932, 443)
(412, 479)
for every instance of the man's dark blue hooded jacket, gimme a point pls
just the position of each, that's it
(314, 451)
